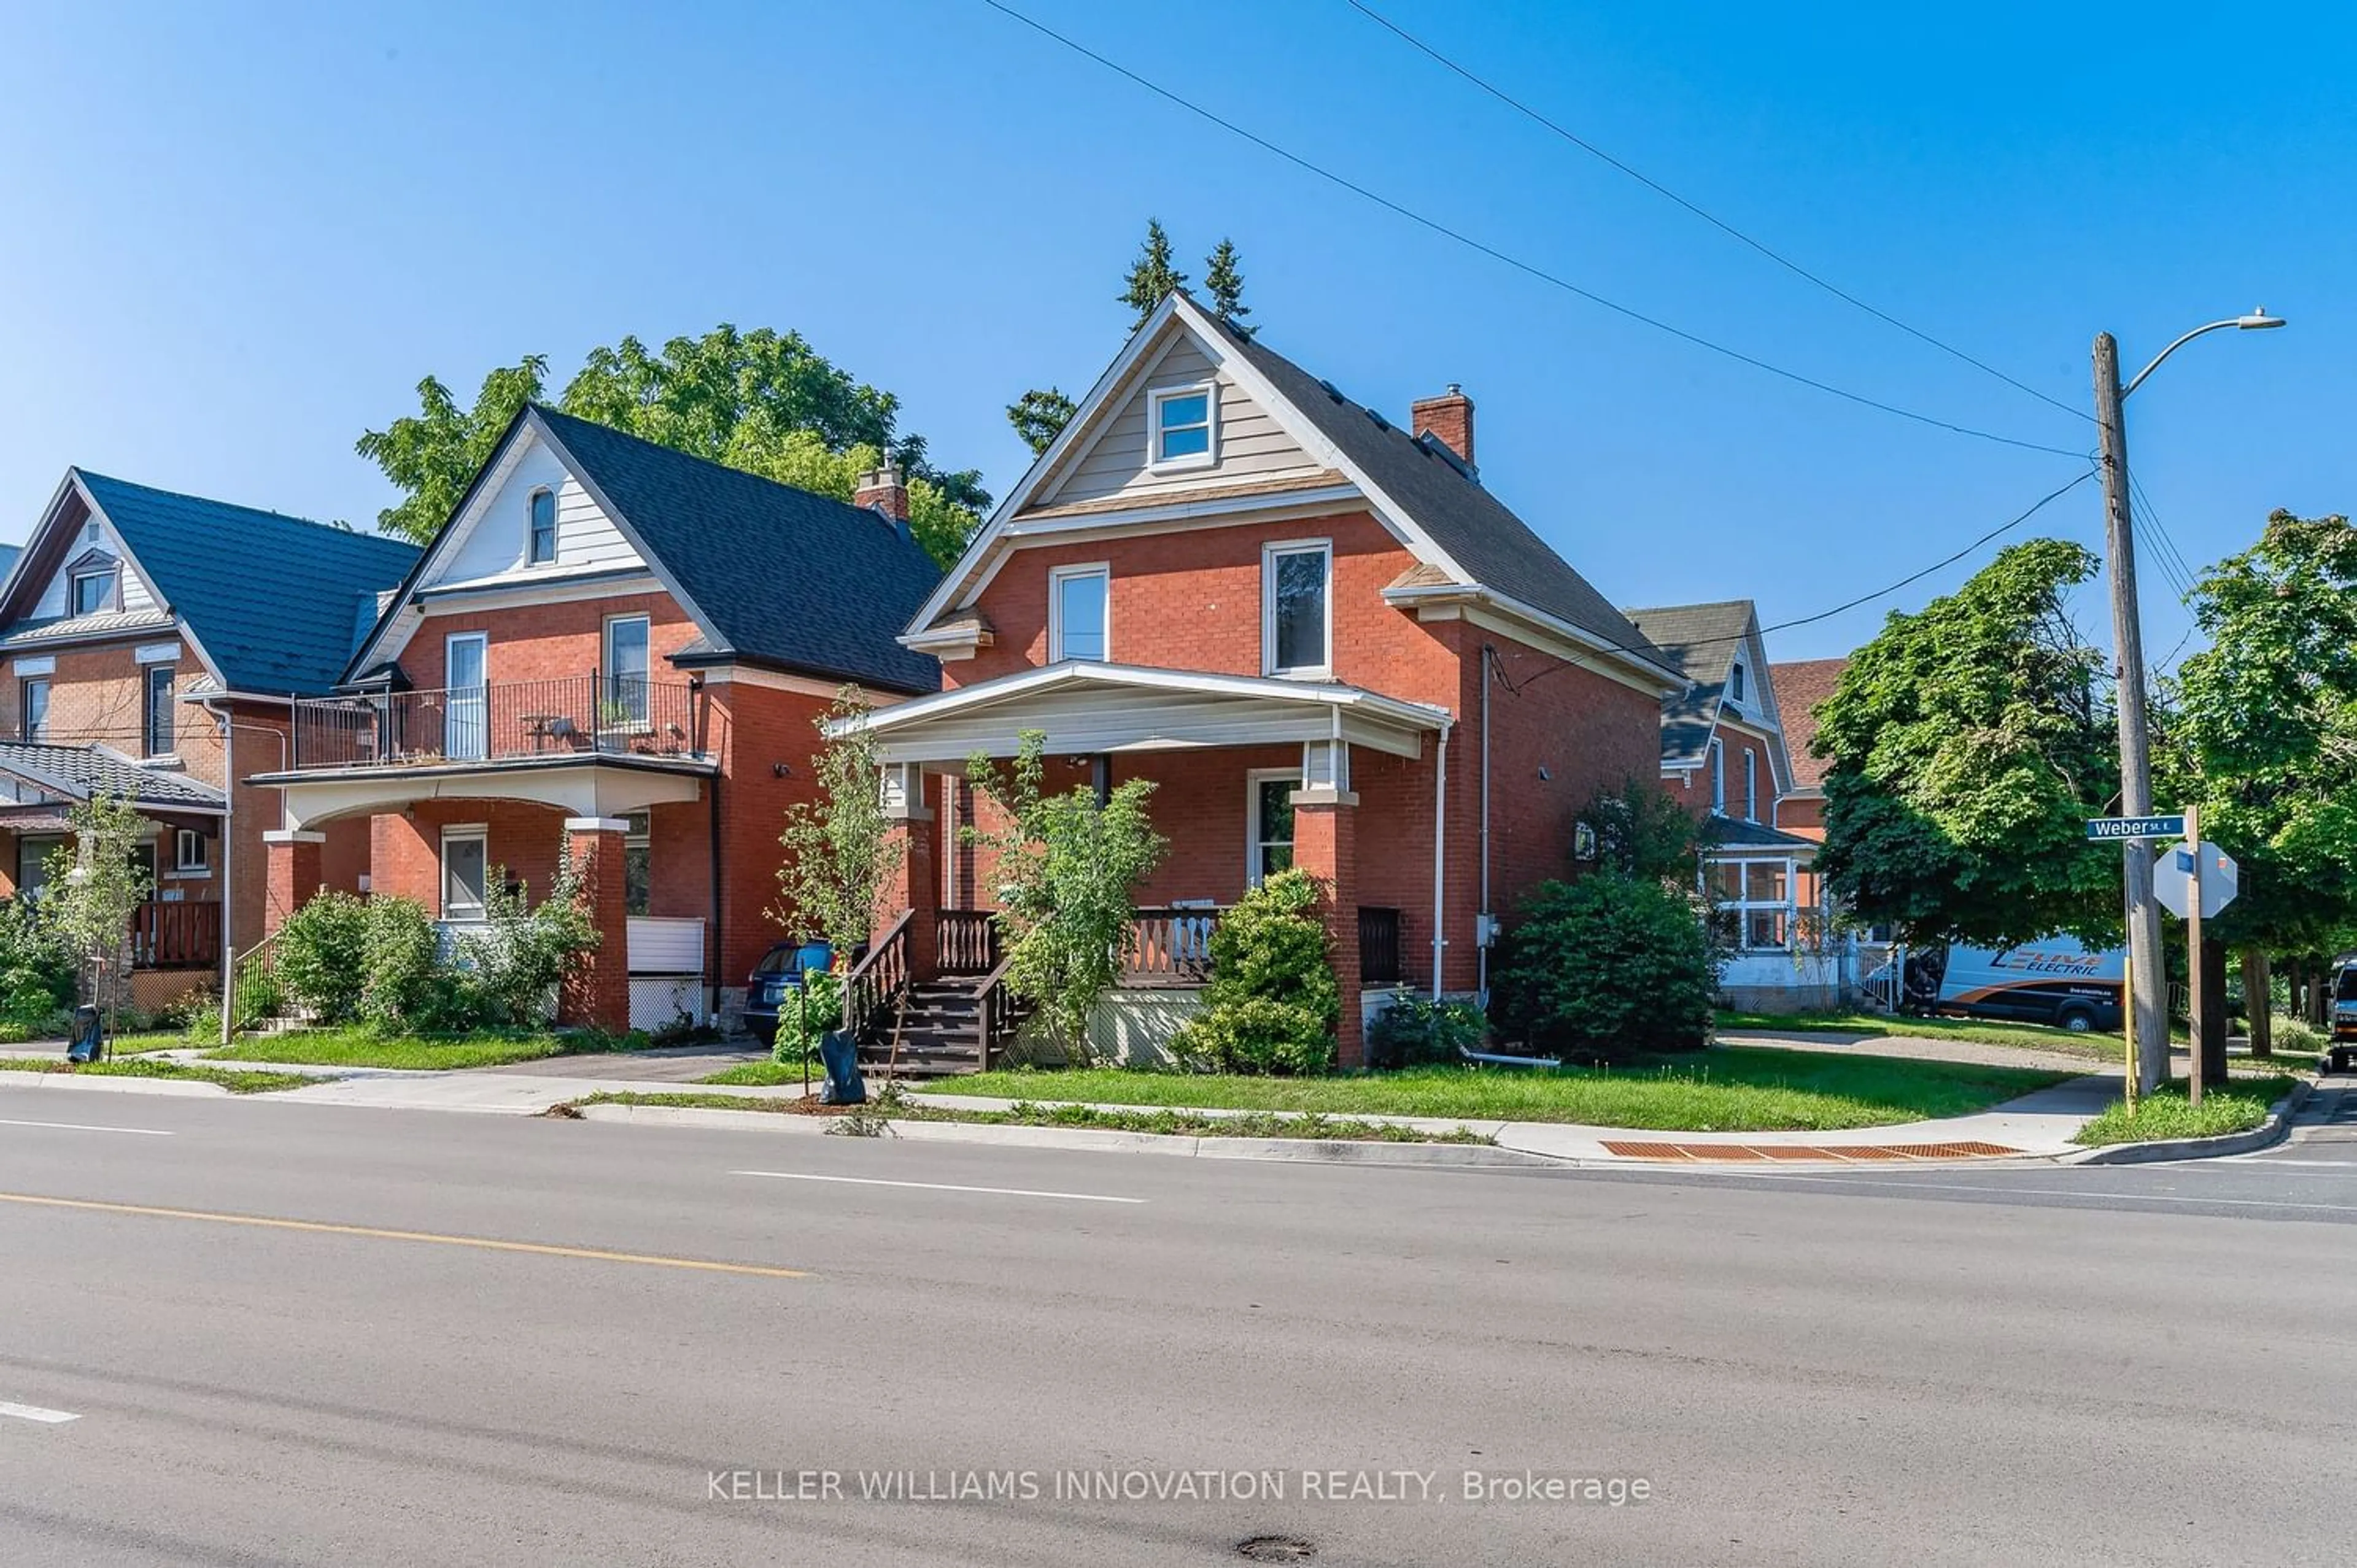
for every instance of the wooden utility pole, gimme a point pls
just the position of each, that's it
(2195, 991)
(2148, 973)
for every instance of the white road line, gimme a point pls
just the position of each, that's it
(2089, 1193)
(939, 1186)
(35, 1413)
(81, 1127)
(2261, 1158)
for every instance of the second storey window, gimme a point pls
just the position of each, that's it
(1717, 777)
(92, 592)
(33, 708)
(156, 734)
(544, 528)
(1077, 624)
(1750, 785)
(626, 670)
(1296, 608)
(1181, 424)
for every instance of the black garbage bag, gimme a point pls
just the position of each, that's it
(87, 1039)
(844, 1085)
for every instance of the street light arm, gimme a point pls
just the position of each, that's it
(2258, 318)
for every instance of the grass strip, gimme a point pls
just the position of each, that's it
(1173, 1122)
(237, 1080)
(2233, 1107)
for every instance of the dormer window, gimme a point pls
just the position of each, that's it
(542, 509)
(1182, 424)
(91, 592)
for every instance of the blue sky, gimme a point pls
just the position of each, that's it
(232, 237)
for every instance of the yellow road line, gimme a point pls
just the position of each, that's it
(486, 1243)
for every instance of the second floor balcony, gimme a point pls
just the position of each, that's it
(577, 718)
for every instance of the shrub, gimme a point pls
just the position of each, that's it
(323, 955)
(806, 1012)
(36, 971)
(1414, 1030)
(1608, 966)
(525, 951)
(2295, 1037)
(1272, 1004)
(401, 957)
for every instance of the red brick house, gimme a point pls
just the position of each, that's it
(1801, 685)
(1315, 628)
(139, 659)
(619, 651)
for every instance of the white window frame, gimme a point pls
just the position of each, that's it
(1750, 785)
(1253, 778)
(1718, 777)
(1056, 578)
(182, 863)
(148, 750)
(644, 717)
(1736, 685)
(531, 533)
(462, 833)
(1269, 555)
(1744, 906)
(1208, 456)
(27, 729)
(479, 701)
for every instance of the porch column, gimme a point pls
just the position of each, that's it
(915, 885)
(295, 872)
(1326, 846)
(597, 994)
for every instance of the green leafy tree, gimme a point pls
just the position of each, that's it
(840, 849)
(94, 886)
(1153, 277)
(2263, 732)
(1967, 749)
(1070, 866)
(763, 401)
(1271, 1004)
(1226, 282)
(1039, 416)
(1638, 831)
(1610, 966)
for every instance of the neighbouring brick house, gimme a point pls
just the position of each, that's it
(1318, 632)
(618, 651)
(1801, 686)
(151, 646)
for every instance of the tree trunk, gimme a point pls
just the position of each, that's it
(2258, 999)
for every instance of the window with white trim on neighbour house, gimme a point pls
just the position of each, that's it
(1750, 785)
(1296, 608)
(1717, 777)
(1183, 425)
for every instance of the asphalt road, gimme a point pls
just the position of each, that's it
(1984, 1366)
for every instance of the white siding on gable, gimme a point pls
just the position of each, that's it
(496, 538)
(136, 596)
(1252, 446)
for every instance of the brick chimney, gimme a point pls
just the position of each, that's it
(1449, 416)
(884, 489)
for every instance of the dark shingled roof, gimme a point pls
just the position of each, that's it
(787, 578)
(1479, 532)
(269, 597)
(1732, 832)
(76, 771)
(1700, 641)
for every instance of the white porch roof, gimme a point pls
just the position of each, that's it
(580, 786)
(1088, 708)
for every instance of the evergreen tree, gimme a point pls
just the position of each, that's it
(1226, 282)
(1039, 416)
(1152, 276)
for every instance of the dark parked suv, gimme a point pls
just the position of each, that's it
(779, 971)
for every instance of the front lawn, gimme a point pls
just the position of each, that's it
(1729, 1089)
(2236, 1107)
(235, 1079)
(359, 1046)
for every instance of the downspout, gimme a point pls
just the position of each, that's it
(712, 959)
(1481, 946)
(1439, 858)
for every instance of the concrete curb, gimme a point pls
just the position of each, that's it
(179, 1086)
(1100, 1140)
(2273, 1130)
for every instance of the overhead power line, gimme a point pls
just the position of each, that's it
(1530, 269)
(1712, 219)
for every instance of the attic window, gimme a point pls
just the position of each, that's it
(91, 592)
(544, 528)
(1735, 684)
(1183, 424)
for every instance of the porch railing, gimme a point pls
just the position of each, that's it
(878, 981)
(501, 721)
(1169, 946)
(178, 935)
(965, 942)
(1379, 946)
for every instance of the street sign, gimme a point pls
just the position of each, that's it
(2111, 828)
(2172, 879)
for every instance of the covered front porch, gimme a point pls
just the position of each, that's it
(1252, 776)
(1782, 952)
(454, 834)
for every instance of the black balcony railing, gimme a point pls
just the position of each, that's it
(501, 721)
